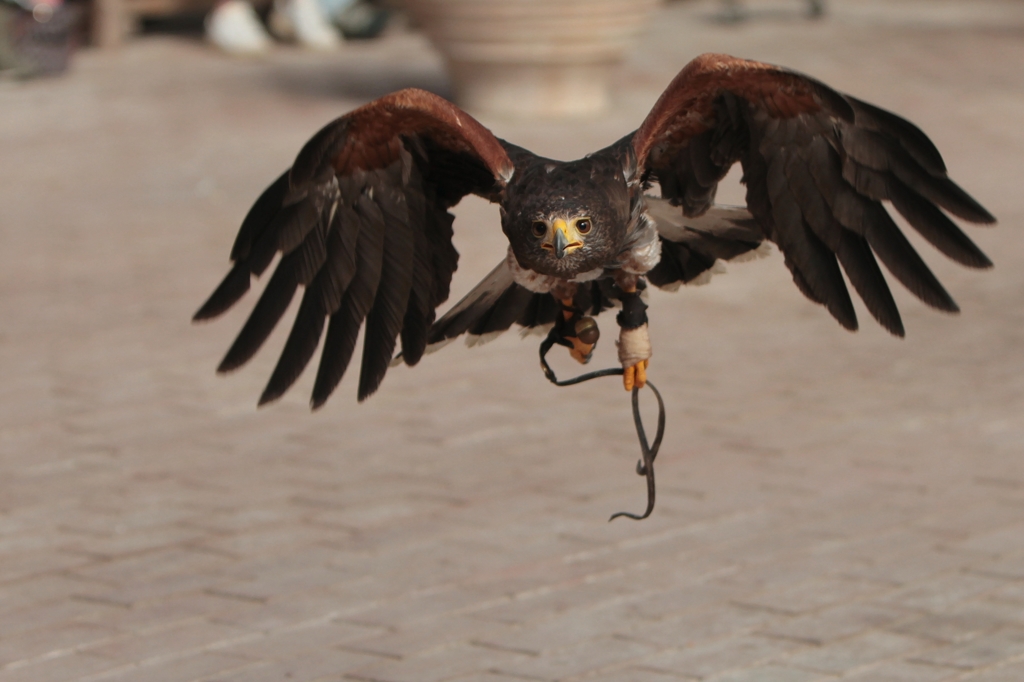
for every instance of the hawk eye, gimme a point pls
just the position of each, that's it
(583, 225)
(540, 228)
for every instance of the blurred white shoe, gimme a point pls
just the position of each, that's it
(304, 22)
(234, 28)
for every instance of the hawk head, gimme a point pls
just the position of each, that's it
(564, 219)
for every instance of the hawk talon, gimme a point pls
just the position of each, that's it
(635, 375)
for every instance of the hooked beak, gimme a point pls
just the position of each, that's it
(563, 239)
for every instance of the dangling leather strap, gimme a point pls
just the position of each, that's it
(645, 466)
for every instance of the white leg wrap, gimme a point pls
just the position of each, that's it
(634, 346)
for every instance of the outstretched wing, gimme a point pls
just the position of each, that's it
(362, 223)
(817, 165)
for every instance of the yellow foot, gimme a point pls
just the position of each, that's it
(580, 351)
(635, 375)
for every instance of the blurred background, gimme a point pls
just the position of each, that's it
(831, 506)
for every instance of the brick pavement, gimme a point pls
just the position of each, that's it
(831, 506)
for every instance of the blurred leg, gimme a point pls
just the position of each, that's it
(305, 22)
(733, 11)
(234, 28)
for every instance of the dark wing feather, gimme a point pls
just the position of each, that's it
(362, 222)
(301, 344)
(259, 217)
(358, 299)
(817, 165)
(473, 306)
(504, 313)
(498, 302)
(419, 314)
(268, 310)
(691, 246)
(385, 318)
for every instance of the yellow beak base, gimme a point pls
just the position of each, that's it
(562, 238)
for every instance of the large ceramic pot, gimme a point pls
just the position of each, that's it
(550, 58)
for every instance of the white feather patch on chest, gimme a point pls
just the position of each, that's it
(542, 284)
(528, 279)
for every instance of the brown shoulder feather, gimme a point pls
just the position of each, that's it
(687, 107)
(369, 138)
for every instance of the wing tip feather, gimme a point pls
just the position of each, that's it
(230, 363)
(368, 388)
(268, 396)
(234, 285)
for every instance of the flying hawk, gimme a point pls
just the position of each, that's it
(363, 225)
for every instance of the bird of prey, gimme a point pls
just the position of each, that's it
(362, 220)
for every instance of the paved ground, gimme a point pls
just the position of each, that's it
(831, 505)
